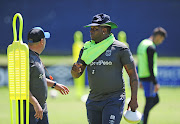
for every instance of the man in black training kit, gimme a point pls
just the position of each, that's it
(38, 82)
(105, 58)
(147, 69)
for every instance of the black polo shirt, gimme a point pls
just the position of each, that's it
(105, 73)
(38, 83)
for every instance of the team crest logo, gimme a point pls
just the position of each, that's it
(108, 53)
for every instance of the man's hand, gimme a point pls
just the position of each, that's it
(133, 104)
(38, 110)
(77, 67)
(156, 88)
(61, 88)
(77, 70)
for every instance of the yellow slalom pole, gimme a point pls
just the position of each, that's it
(17, 112)
(122, 37)
(22, 111)
(11, 111)
(18, 73)
(79, 83)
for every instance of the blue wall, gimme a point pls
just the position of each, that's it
(63, 17)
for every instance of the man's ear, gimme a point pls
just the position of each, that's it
(42, 41)
(104, 30)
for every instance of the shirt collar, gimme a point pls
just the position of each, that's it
(34, 52)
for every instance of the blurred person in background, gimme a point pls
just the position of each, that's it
(105, 58)
(147, 69)
(38, 82)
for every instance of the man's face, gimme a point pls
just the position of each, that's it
(96, 33)
(158, 39)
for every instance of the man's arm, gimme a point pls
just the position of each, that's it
(78, 67)
(150, 53)
(61, 88)
(131, 70)
(36, 105)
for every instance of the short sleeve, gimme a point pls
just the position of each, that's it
(126, 56)
(79, 59)
(31, 65)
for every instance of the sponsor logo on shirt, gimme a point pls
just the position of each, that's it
(101, 62)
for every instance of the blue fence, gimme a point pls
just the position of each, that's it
(167, 75)
(63, 17)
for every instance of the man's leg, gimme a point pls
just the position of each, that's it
(150, 103)
(151, 99)
(113, 111)
(94, 113)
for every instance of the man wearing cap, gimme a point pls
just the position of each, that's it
(105, 58)
(38, 81)
(147, 69)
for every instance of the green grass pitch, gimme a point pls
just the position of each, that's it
(70, 110)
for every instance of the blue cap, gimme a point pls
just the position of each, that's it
(36, 33)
